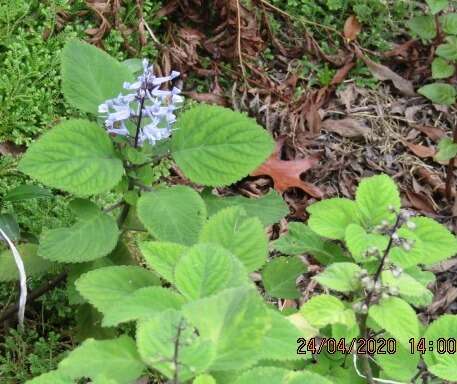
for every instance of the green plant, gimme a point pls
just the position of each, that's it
(374, 286)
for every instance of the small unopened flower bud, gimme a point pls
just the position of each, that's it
(396, 272)
(357, 307)
(384, 223)
(378, 287)
(364, 309)
(411, 225)
(406, 246)
(391, 208)
(365, 280)
(384, 295)
(395, 237)
(393, 291)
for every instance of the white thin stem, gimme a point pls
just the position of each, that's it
(374, 378)
(22, 279)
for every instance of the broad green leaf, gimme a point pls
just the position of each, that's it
(88, 239)
(116, 358)
(449, 49)
(408, 288)
(439, 93)
(10, 227)
(173, 214)
(329, 218)
(142, 304)
(53, 377)
(437, 5)
(104, 287)
(102, 379)
(84, 209)
(216, 146)
(276, 343)
(443, 365)
(204, 379)
(162, 257)
(134, 65)
(34, 265)
(449, 23)
(90, 76)
(273, 375)
(424, 277)
(323, 310)
(423, 26)
(158, 337)
(374, 196)
(437, 241)
(206, 269)
(301, 239)
(27, 192)
(235, 321)
(242, 235)
(269, 208)
(447, 149)
(398, 319)
(89, 325)
(359, 242)
(341, 277)
(442, 69)
(279, 277)
(402, 365)
(76, 156)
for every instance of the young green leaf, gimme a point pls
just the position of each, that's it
(90, 76)
(279, 277)
(168, 343)
(204, 379)
(443, 365)
(437, 5)
(442, 69)
(273, 375)
(243, 236)
(27, 192)
(215, 146)
(88, 324)
(402, 365)
(449, 23)
(398, 319)
(423, 26)
(142, 304)
(376, 197)
(34, 265)
(447, 149)
(88, 239)
(323, 310)
(359, 242)
(235, 321)
(408, 288)
(76, 156)
(116, 358)
(329, 218)
(439, 93)
(438, 242)
(162, 257)
(206, 269)
(341, 277)
(301, 239)
(269, 208)
(173, 214)
(104, 287)
(449, 49)
(276, 344)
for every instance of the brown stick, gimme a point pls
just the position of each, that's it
(450, 172)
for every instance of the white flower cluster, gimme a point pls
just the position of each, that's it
(153, 105)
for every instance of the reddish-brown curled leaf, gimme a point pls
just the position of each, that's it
(286, 173)
(352, 28)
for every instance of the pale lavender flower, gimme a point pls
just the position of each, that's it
(159, 105)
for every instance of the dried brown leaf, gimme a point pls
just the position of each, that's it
(420, 150)
(420, 202)
(346, 127)
(352, 28)
(433, 133)
(286, 173)
(382, 72)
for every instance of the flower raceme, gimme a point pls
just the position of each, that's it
(150, 104)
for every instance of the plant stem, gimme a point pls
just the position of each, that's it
(363, 317)
(176, 354)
